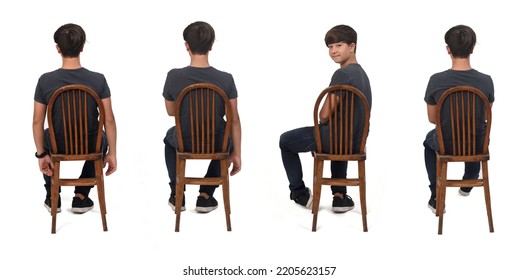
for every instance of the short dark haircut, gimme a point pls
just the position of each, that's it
(461, 40)
(341, 33)
(71, 39)
(199, 36)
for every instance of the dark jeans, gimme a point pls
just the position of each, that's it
(88, 167)
(303, 140)
(214, 169)
(431, 145)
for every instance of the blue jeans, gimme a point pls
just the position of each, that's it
(303, 140)
(88, 167)
(171, 143)
(431, 145)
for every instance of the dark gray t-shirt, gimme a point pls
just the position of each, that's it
(354, 75)
(178, 79)
(51, 81)
(442, 81)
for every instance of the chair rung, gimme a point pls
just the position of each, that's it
(340, 182)
(60, 157)
(354, 157)
(203, 181)
(465, 183)
(216, 156)
(82, 182)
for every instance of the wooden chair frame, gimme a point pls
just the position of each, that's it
(341, 144)
(202, 101)
(462, 117)
(74, 100)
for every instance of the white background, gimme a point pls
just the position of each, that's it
(276, 52)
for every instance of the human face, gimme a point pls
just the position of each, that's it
(342, 52)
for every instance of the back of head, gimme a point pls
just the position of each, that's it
(199, 36)
(461, 40)
(70, 39)
(341, 33)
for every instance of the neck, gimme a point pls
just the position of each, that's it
(460, 64)
(200, 60)
(71, 63)
(351, 60)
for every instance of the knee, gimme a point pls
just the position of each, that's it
(283, 140)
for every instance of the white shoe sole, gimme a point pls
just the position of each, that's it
(205, 209)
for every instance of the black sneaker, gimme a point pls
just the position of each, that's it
(431, 205)
(80, 206)
(205, 203)
(47, 204)
(305, 198)
(342, 203)
(172, 201)
(464, 191)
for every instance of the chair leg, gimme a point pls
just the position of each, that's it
(363, 202)
(317, 189)
(440, 201)
(487, 195)
(54, 196)
(226, 192)
(437, 183)
(180, 178)
(100, 192)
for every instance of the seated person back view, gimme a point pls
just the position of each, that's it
(199, 38)
(70, 40)
(460, 42)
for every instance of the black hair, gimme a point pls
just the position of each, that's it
(71, 39)
(199, 36)
(461, 40)
(341, 33)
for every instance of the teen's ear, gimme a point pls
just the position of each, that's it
(187, 46)
(448, 49)
(58, 49)
(353, 45)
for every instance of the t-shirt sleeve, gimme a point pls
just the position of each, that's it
(491, 96)
(167, 93)
(429, 93)
(232, 92)
(105, 89)
(39, 95)
(340, 78)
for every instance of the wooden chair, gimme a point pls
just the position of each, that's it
(457, 112)
(342, 127)
(199, 141)
(68, 125)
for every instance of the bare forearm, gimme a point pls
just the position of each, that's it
(236, 137)
(111, 135)
(38, 134)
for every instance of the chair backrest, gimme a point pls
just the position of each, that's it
(203, 119)
(463, 124)
(348, 125)
(76, 119)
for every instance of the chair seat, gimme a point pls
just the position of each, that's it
(353, 157)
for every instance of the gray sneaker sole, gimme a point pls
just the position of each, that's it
(463, 193)
(48, 208)
(81, 210)
(433, 209)
(174, 208)
(342, 209)
(205, 209)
